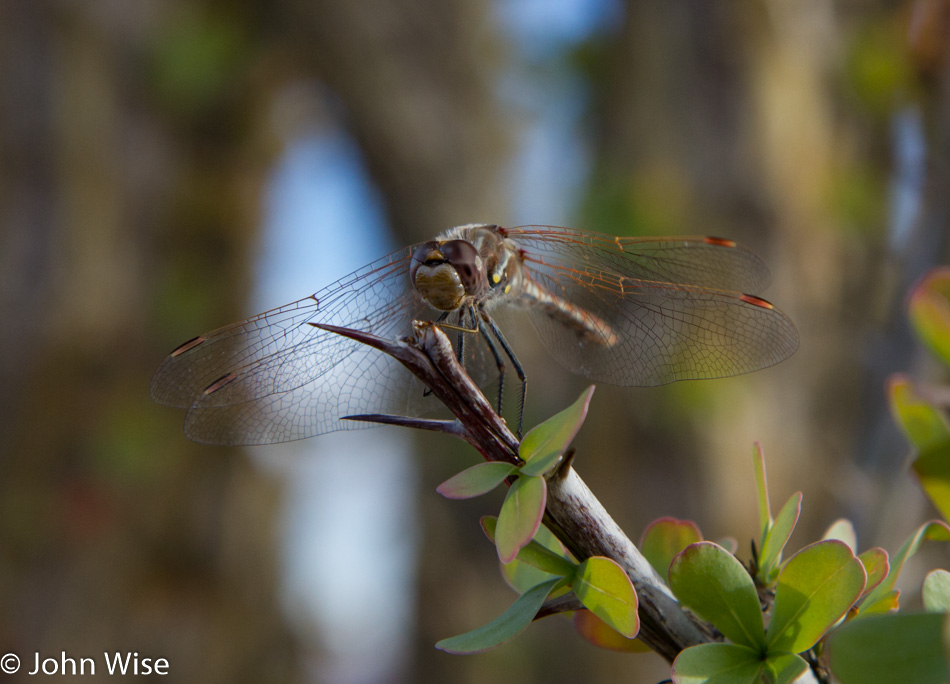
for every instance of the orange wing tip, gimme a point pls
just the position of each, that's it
(719, 242)
(756, 301)
(188, 346)
(219, 383)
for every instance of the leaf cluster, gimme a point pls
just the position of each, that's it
(536, 564)
(825, 609)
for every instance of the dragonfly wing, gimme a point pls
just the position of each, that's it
(709, 262)
(275, 377)
(364, 381)
(666, 335)
(656, 318)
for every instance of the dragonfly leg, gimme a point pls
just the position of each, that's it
(462, 331)
(499, 362)
(461, 335)
(519, 369)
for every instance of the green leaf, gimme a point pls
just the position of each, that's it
(519, 576)
(876, 566)
(816, 588)
(520, 516)
(606, 591)
(734, 664)
(785, 668)
(929, 311)
(777, 538)
(933, 470)
(542, 557)
(536, 556)
(711, 582)
(717, 664)
(548, 441)
(475, 481)
(542, 463)
(842, 530)
(928, 430)
(885, 649)
(935, 530)
(888, 602)
(936, 591)
(762, 491)
(600, 634)
(923, 425)
(505, 627)
(666, 537)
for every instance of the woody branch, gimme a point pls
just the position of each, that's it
(573, 512)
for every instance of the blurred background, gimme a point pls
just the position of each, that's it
(170, 166)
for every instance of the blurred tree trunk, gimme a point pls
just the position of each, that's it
(755, 122)
(133, 166)
(134, 141)
(674, 155)
(852, 266)
(918, 241)
(114, 536)
(415, 82)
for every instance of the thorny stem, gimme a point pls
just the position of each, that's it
(573, 513)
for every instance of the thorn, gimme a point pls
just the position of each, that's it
(452, 427)
(560, 471)
(358, 335)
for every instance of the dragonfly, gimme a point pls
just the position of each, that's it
(632, 311)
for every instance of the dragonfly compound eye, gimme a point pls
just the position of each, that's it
(467, 262)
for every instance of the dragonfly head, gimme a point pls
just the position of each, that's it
(447, 272)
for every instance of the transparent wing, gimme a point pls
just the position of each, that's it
(661, 310)
(276, 378)
(702, 261)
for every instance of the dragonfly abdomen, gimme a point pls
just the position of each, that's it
(589, 327)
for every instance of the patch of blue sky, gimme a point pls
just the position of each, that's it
(910, 152)
(349, 547)
(323, 219)
(548, 100)
(541, 28)
(553, 159)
